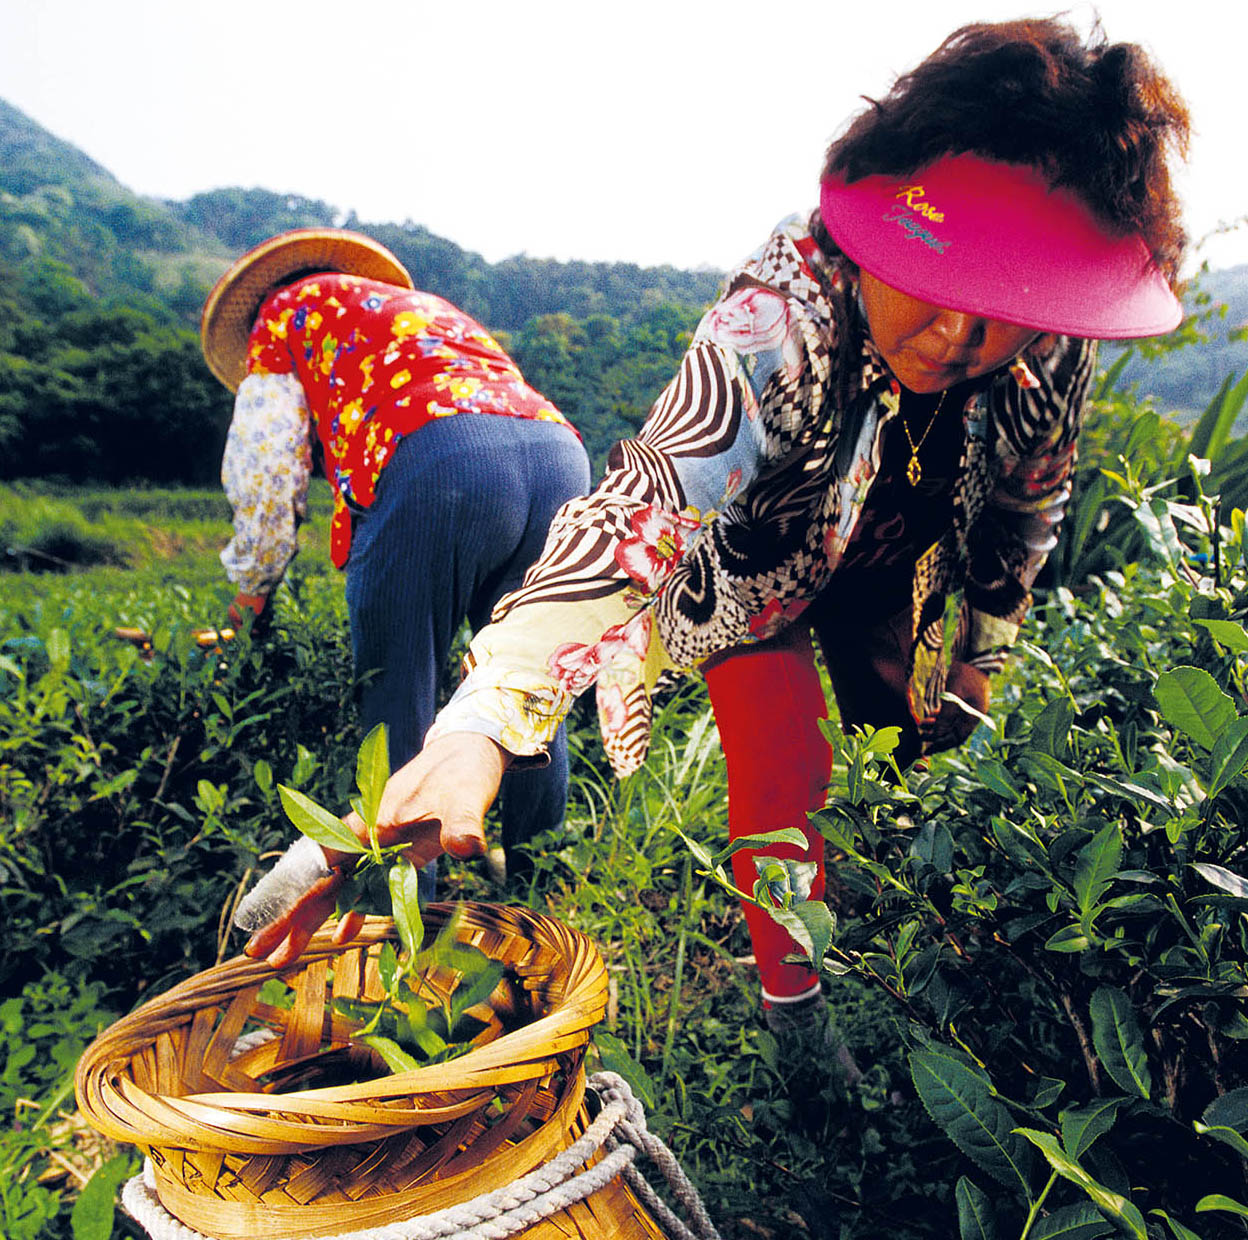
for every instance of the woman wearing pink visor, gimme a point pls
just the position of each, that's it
(878, 415)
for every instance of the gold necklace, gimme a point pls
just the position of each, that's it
(914, 471)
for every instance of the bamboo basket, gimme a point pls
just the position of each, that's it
(255, 1143)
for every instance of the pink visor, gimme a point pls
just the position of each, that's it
(994, 240)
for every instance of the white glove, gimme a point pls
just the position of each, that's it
(298, 869)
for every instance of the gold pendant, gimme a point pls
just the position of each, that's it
(914, 471)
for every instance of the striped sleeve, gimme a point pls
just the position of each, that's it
(582, 615)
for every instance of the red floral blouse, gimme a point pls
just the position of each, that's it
(376, 362)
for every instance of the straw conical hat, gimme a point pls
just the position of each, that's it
(231, 308)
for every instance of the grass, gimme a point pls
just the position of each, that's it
(137, 554)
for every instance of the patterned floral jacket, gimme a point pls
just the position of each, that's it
(359, 364)
(732, 509)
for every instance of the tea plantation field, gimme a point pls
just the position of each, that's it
(1040, 947)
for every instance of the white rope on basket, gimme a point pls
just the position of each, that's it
(619, 1128)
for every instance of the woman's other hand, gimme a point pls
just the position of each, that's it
(954, 722)
(248, 604)
(435, 803)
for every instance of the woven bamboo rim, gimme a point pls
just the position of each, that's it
(241, 1149)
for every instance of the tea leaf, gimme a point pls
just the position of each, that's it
(1227, 633)
(94, 1211)
(372, 770)
(1096, 867)
(935, 845)
(766, 839)
(700, 852)
(1019, 843)
(839, 832)
(1225, 879)
(1131, 791)
(1052, 726)
(1191, 701)
(1068, 939)
(430, 1041)
(473, 990)
(615, 1057)
(317, 823)
(1082, 1125)
(1228, 1136)
(882, 741)
(1229, 757)
(405, 901)
(1113, 1204)
(362, 1010)
(1078, 1222)
(1180, 1232)
(1118, 1041)
(993, 775)
(1154, 516)
(1047, 1091)
(959, 1097)
(388, 966)
(1218, 1201)
(785, 881)
(395, 1057)
(811, 924)
(1230, 1110)
(977, 1220)
(262, 773)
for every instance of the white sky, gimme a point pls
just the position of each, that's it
(650, 131)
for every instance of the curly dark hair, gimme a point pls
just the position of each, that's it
(1095, 117)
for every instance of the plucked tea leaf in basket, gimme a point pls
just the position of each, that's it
(388, 966)
(405, 901)
(474, 989)
(395, 1057)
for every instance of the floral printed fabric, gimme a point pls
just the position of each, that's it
(265, 472)
(375, 363)
(734, 506)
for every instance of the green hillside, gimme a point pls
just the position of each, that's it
(100, 292)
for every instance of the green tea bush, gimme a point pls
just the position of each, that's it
(1060, 912)
(162, 535)
(1039, 942)
(779, 1145)
(43, 1031)
(137, 797)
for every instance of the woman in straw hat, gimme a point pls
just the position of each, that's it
(438, 510)
(879, 414)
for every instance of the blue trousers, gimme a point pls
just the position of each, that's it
(461, 511)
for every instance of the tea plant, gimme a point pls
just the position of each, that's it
(43, 1030)
(1059, 912)
(135, 797)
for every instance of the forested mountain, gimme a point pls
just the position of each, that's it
(100, 291)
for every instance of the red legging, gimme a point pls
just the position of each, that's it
(768, 700)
